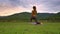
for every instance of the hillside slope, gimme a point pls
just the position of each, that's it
(25, 16)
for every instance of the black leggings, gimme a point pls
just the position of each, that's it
(33, 18)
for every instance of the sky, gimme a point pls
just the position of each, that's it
(9, 7)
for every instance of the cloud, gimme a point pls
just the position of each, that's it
(48, 4)
(42, 5)
(52, 5)
(9, 3)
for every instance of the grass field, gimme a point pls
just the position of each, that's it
(28, 28)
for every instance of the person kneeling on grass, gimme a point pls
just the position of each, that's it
(34, 15)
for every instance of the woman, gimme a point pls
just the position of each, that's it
(34, 15)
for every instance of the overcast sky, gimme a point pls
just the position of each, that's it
(8, 7)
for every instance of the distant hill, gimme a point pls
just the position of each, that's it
(25, 16)
(55, 17)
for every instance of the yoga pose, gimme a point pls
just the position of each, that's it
(34, 15)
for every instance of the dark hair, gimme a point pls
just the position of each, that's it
(34, 7)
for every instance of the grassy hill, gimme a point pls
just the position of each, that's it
(55, 17)
(25, 16)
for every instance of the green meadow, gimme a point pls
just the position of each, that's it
(29, 28)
